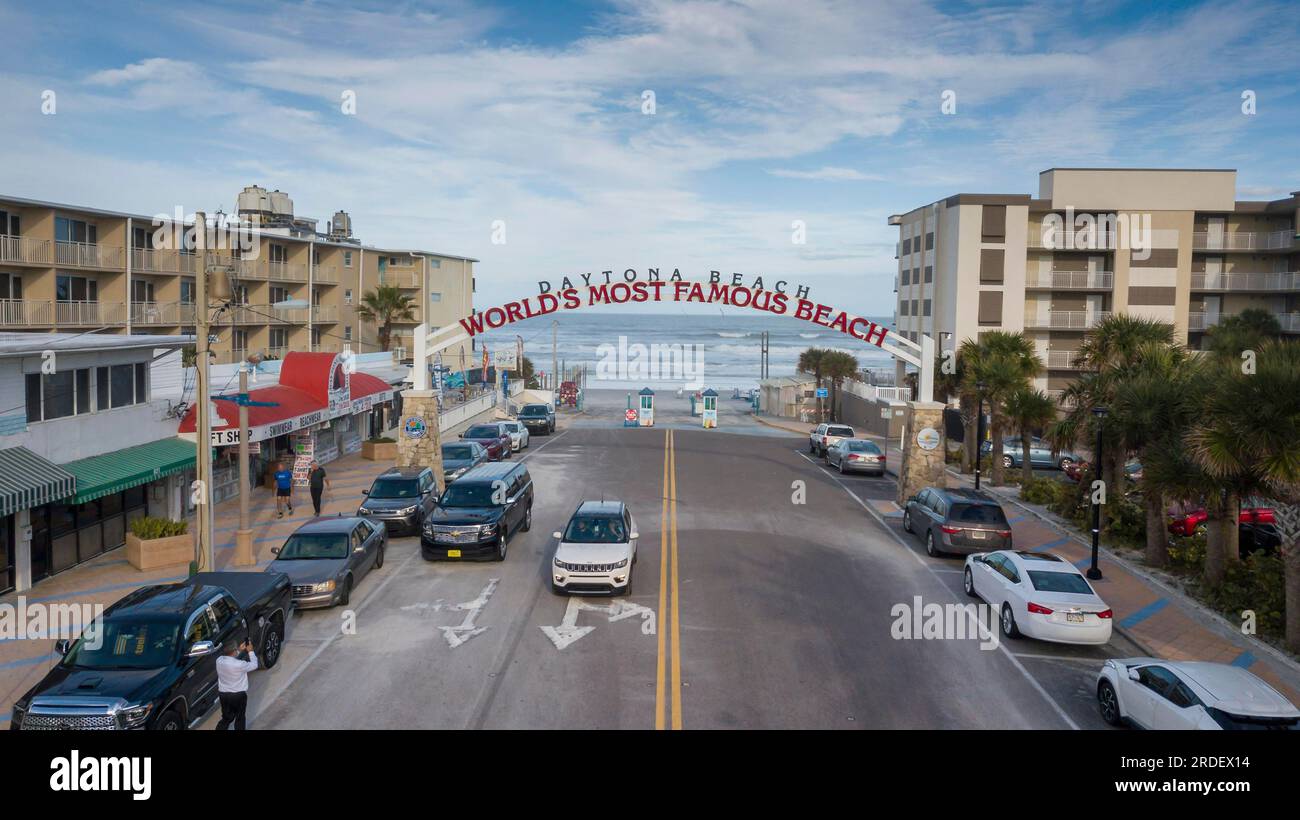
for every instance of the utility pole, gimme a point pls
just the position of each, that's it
(243, 535)
(203, 537)
(555, 358)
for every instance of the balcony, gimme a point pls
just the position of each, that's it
(325, 347)
(24, 313)
(324, 313)
(1060, 359)
(1085, 240)
(24, 250)
(326, 274)
(1243, 241)
(1065, 319)
(1070, 280)
(293, 315)
(158, 313)
(286, 272)
(1246, 281)
(1199, 322)
(407, 279)
(94, 314)
(87, 255)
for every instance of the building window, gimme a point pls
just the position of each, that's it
(11, 286)
(239, 341)
(279, 294)
(435, 297)
(187, 291)
(347, 333)
(10, 225)
(902, 308)
(347, 296)
(68, 393)
(75, 289)
(929, 273)
(347, 259)
(279, 337)
(435, 263)
(925, 308)
(74, 230)
(929, 241)
(907, 276)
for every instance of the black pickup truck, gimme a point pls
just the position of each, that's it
(150, 662)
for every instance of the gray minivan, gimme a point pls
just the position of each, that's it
(957, 520)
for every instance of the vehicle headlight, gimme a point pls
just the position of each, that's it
(454, 474)
(622, 563)
(561, 564)
(407, 510)
(363, 511)
(323, 586)
(133, 716)
(487, 529)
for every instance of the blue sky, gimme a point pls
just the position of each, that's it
(531, 113)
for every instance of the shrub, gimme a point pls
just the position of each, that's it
(1187, 552)
(382, 440)
(1255, 584)
(1126, 521)
(1044, 491)
(148, 528)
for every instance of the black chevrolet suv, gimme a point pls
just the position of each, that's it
(538, 418)
(150, 662)
(477, 514)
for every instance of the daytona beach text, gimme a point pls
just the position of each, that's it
(770, 301)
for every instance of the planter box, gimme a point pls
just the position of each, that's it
(379, 450)
(159, 552)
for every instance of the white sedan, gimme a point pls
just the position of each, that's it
(1039, 595)
(1155, 694)
(518, 435)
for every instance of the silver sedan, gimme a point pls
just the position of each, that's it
(856, 455)
(518, 435)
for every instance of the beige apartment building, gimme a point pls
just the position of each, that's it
(70, 268)
(1175, 245)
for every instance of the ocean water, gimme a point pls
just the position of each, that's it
(725, 348)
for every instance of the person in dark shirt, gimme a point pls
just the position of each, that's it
(317, 481)
(283, 489)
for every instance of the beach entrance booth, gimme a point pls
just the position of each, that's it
(646, 414)
(710, 414)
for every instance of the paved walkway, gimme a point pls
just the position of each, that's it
(106, 579)
(1158, 618)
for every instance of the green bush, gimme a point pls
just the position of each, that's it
(382, 440)
(147, 528)
(1187, 552)
(1044, 491)
(1256, 584)
(1126, 521)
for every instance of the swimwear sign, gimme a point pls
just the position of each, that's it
(714, 293)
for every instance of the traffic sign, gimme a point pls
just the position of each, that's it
(630, 415)
(822, 392)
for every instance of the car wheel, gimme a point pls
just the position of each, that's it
(1009, 627)
(501, 544)
(272, 643)
(171, 721)
(379, 558)
(812, 448)
(907, 520)
(968, 583)
(1066, 463)
(930, 549)
(627, 590)
(528, 519)
(1108, 704)
(1008, 462)
(841, 466)
(346, 595)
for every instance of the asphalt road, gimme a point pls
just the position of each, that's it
(749, 610)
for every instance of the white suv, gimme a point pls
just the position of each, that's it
(825, 436)
(596, 551)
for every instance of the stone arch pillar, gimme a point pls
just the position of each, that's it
(922, 464)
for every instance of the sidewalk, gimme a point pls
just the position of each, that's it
(1163, 621)
(107, 578)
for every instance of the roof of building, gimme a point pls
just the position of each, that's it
(27, 344)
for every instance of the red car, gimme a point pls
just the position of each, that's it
(493, 437)
(1187, 518)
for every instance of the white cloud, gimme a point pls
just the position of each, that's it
(826, 172)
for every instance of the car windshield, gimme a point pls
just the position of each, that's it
(510, 426)
(595, 530)
(395, 488)
(310, 545)
(533, 410)
(457, 452)
(1059, 582)
(843, 432)
(483, 431)
(125, 644)
(977, 514)
(468, 495)
(859, 446)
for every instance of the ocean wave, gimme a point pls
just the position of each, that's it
(809, 335)
(728, 335)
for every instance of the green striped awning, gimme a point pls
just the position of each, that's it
(123, 469)
(27, 480)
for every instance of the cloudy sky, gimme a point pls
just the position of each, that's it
(535, 116)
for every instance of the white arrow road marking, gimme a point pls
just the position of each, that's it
(568, 631)
(458, 635)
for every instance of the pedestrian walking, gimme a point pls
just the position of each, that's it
(283, 489)
(232, 684)
(317, 480)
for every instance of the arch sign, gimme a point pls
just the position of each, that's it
(776, 303)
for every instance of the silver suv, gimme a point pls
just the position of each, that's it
(825, 436)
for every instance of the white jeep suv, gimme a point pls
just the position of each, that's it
(596, 551)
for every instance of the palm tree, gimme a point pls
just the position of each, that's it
(1244, 331)
(1003, 363)
(948, 385)
(383, 306)
(1028, 410)
(838, 366)
(813, 360)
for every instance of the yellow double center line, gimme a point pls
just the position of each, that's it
(669, 620)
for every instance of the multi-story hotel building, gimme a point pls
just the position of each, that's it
(1174, 245)
(70, 268)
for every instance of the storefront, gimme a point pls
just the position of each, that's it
(318, 411)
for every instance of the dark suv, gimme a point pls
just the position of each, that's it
(957, 520)
(477, 514)
(400, 499)
(538, 418)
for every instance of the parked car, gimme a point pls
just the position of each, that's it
(326, 558)
(460, 457)
(825, 436)
(1041, 454)
(1133, 471)
(1157, 694)
(1040, 595)
(476, 515)
(857, 455)
(1187, 517)
(596, 551)
(492, 438)
(150, 661)
(538, 418)
(400, 499)
(956, 520)
(518, 433)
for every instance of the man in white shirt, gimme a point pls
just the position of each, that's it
(232, 685)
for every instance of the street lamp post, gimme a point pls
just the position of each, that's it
(1094, 572)
(979, 430)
